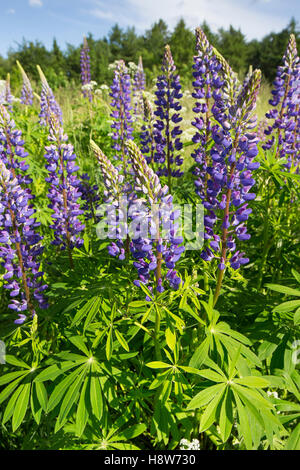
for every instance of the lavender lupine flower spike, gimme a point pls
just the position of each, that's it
(26, 93)
(12, 152)
(113, 182)
(284, 116)
(147, 136)
(122, 124)
(6, 96)
(19, 248)
(85, 65)
(49, 105)
(167, 131)
(138, 87)
(151, 253)
(64, 192)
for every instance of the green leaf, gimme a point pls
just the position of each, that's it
(11, 376)
(41, 393)
(211, 375)
(69, 400)
(82, 411)
(297, 317)
(109, 344)
(209, 415)
(129, 433)
(52, 372)
(121, 340)
(283, 289)
(287, 306)
(170, 338)
(158, 365)
(244, 422)
(204, 397)
(226, 416)
(293, 442)
(61, 388)
(200, 354)
(96, 395)
(14, 361)
(78, 341)
(10, 388)
(21, 406)
(253, 381)
(11, 405)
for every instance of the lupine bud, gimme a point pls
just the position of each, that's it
(49, 105)
(26, 93)
(138, 87)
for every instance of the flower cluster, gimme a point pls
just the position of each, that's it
(164, 245)
(167, 130)
(85, 69)
(5, 96)
(89, 196)
(12, 152)
(49, 105)
(226, 171)
(26, 92)
(20, 247)
(64, 189)
(284, 130)
(138, 87)
(122, 118)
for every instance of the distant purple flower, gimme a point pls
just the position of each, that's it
(121, 114)
(284, 117)
(139, 82)
(85, 69)
(20, 247)
(147, 132)
(89, 195)
(167, 129)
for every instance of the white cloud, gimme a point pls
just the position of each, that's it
(256, 18)
(35, 3)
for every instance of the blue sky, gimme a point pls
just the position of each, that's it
(69, 20)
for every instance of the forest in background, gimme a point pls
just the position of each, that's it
(63, 66)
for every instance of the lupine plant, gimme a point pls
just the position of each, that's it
(167, 131)
(26, 92)
(138, 86)
(145, 344)
(85, 69)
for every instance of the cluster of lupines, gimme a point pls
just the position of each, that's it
(147, 132)
(114, 189)
(167, 131)
(121, 114)
(284, 132)
(12, 152)
(6, 96)
(89, 196)
(163, 245)
(26, 92)
(139, 82)
(207, 79)
(64, 191)
(49, 105)
(227, 173)
(20, 247)
(85, 69)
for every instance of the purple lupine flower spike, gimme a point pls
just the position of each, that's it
(284, 130)
(85, 65)
(12, 152)
(122, 118)
(20, 248)
(167, 130)
(64, 193)
(114, 189)
(6, 96)
(147, 136)
(151, 253)
(26, 92)
(89, 196)
(49, 105)
(139, 82)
